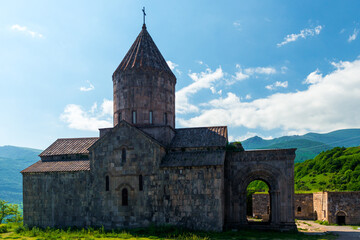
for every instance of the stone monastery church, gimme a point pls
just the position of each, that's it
(146, 171)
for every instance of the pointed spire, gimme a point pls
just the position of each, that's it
(144, 54)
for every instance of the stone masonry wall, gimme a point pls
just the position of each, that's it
(144, 91)
(304, 201)
(304, 207)
(261, 206)
(345, 203)
(56, 199)
(143, 157)
(320, 206)
(276, 168)
(193, 197)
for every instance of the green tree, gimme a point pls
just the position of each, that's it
(9, 212)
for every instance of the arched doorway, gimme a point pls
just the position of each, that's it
(258, 207)
(341, 218)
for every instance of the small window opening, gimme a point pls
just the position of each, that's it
(268, 209)
(119, 117)
(107, 183)
(299, 209)
(123, 155)
(124, 196)
(151, 117)
(134, 117)
(141, 183)
(165, 118)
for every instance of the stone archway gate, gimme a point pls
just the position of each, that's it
(276, 168)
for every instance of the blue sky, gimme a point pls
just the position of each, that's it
(267, 68)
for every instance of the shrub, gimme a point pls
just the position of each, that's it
(3, 229)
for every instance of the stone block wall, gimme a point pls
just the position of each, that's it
(346, 204)
(144, 91)
(143, 157)
(194, 197)
(304, 206)
(56, 199)
(276, 168)
(261, 206)
(320, 206)
(303, 200)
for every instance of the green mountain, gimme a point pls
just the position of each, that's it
(12, 161)
(337, 169)
(308, 145)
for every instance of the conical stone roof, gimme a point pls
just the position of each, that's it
(144, 54)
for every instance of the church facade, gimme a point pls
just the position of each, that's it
(145, 171)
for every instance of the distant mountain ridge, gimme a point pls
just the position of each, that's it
(308, 145)
(12, 161)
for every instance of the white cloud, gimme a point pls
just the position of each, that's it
(242, 74)
(78, 118)
(303, 34)
(260, 70)
(213, 90)
(86, 89)
(24, 29)
(248, 97)
(326, 105)
(237, 25)
(172, 65)
(203, 80)
(314, 77)
(277, 84)
(353, 36)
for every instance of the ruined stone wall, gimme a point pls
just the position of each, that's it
(302, 200)
(320, 206)
(56, 199)
(143, 157)
(304, 207)
(261, 206)
(194, 197)
(344, 203)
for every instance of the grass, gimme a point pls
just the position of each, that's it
(17, 231)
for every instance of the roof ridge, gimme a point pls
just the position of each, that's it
(201, 127)
(77, 138)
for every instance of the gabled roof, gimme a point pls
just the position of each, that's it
(200, 137)
(125, 123)
(144, 54)
(58, 166)
(69, 146)
(194, 159)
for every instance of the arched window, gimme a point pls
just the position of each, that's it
(123, 155)
(119, 117)
(107, 183)
(141, 183)
(124, 196)
(151, 117)
(299, 209)
(134, 117)
(165, 118)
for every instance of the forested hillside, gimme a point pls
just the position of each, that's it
(337, 169)
(12, 161)
(308, 145)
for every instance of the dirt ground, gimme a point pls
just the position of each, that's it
(343, 232)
